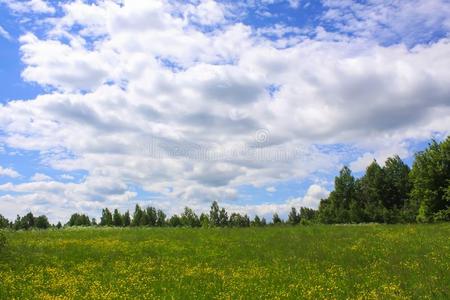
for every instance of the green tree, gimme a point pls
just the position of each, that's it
(175, 221)
(293, 217)
(214, 214)
(204, 220)
(223, 217)
(137, 216)
(106, 219)
(256, 221)
(27, 221)
(4, 223)
(152, 216)
(189, 218)
(145, 220)
(336, 208)
(263, 222)
(430, 177)
(126, 219)
(326, 210)
(117, 218)
(237, 220)
(17, 223)
(308, 214)
(276, 219)
(372, 187)
(79, 220)
(42, 222)
(397, 184)
(161, 218)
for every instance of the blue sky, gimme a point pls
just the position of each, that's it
(256, 104)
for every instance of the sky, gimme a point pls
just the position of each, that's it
(256, 104)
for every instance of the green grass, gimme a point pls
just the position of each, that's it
(368, 262)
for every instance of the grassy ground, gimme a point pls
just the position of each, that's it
(368, 262)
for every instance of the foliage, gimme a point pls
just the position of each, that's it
(276, 219)
(430, 176)
(42, 222)
(161, 218)
(393, 193)
(106, 218)
(237, 220)
(79, 220)
(4, 223)
(308, 214)
(29, 221)
(293, 217)
(175, 221)
(189, 218)
(137, 216)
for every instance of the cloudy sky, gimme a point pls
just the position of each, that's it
(256, 104)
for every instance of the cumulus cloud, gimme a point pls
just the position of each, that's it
(9, 172)
(189, 115)
(207, 12)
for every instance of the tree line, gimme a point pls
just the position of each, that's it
(391, 193)
(152, 217)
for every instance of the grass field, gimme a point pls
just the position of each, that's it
(367, 262)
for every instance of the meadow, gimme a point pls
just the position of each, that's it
(301, 262)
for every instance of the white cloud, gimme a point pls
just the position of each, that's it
(294, 3)
(9, 172)
(311, 199)
(29, 6)
(271, 189)
(313, 196)
(62, 66)
(67, 177)
(190, 116)
(207, 12)
(40, 177)
(412, 22)
(5, 34)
